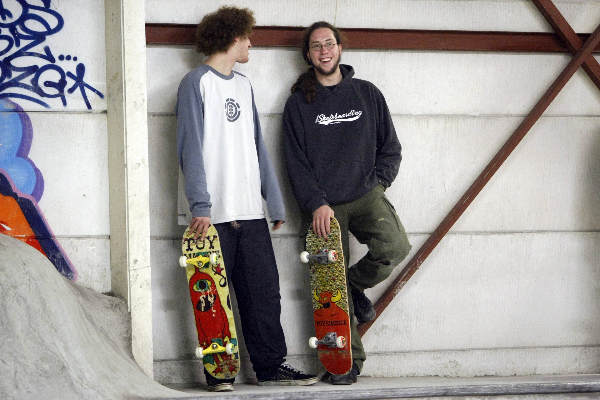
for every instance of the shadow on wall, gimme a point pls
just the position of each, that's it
(593, 195)
(590, 207)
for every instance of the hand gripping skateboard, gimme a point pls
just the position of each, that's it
(209, 292)
(329, 299)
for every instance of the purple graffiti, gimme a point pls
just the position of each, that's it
(27, 71)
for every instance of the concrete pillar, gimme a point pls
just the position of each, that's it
(128, 169)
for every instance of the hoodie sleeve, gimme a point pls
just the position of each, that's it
(306, 188)
(190, 134)
(389, 150)
(269, 184)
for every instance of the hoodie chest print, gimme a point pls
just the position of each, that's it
(336, 118)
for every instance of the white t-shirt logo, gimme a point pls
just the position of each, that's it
(338, 118)
(232, 110)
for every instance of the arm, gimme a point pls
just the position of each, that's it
(190, 133)
(389, 150)
(269, 184)
(306, 188)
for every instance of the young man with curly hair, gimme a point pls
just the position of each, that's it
(342, 153)
(227, 174)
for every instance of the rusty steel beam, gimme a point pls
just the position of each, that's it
(383, 39)
(413, 265)
(568, 36)
(184, 35)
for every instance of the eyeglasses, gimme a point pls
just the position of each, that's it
(319, 46)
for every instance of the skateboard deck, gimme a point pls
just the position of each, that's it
(209, 293)
(329, 299)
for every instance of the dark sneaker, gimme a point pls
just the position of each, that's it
(218, 385)
(288, 376)
(221, 387)
(348, 379)
(363, 308)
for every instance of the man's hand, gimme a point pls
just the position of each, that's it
(277, 224)
(321, 221)
(199, 226)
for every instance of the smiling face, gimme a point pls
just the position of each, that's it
(324, 52)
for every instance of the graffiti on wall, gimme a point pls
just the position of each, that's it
(29, 69)
(31, 72)
(22, 186)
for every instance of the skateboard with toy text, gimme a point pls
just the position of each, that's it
(209, 293)
(325, 258)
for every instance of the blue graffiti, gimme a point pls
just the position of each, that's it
(16, 137)
(24, 27)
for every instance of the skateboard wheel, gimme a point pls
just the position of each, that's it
(332, 255)
(229, 348)
(199, 354)
(214, 257)
(313, 342)
(340, 342)
(183, 261)
(304, 257)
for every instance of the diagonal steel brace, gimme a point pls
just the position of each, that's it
(413, 265)
(568, 35)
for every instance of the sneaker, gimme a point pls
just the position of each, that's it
(288, 376)
(347, 379)
(363, 308)
(218, 385)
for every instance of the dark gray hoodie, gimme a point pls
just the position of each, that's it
(340, 146)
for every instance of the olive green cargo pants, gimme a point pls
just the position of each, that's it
(373, 221)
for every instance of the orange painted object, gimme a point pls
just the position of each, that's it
(14, 223)
(330, 300)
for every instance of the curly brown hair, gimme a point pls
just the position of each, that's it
(218, 30)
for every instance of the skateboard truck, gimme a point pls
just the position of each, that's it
(331, 339)
(323, 257)
(213, 349)
(198, 261)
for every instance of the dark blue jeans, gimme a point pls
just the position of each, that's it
(252, 271)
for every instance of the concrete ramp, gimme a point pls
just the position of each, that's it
(62, 341)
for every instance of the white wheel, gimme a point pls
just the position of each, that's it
(332, 255)
(199, 352)
(304, 257)
(229, 348)
(183, 261)
(340, 342)
(214, 257)
(312, 342)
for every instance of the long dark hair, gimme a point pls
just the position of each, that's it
(307, 82)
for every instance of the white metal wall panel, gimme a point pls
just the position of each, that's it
(512, 289)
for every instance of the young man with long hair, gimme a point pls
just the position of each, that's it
(342, 153)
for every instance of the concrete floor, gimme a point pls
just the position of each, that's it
(77, 341)
(521, 388)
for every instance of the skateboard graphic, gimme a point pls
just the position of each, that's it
(209, 292)
(329, 299)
